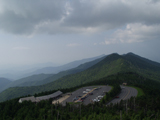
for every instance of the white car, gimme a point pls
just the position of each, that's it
(85, 92)
(100, 96)
(96, 100)
(88, 90)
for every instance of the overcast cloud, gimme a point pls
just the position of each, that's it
(71, 16)
(71, 24)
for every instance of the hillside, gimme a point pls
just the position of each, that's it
(54, 70)
(40, 79)
(110, 65)
(143, 107)
(78, 69)
(144, 59)
(29, 79)
(143, 66)
(44, 68)
(3, 83)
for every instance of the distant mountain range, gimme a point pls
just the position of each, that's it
(41, 77)
(110, 65)
(51, 70)
(4, 82)
(15, 75)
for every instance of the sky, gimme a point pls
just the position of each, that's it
(34, 32)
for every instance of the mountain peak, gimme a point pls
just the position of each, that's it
(112, 64)
(130, 53)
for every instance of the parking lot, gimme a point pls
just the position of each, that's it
(94, 92)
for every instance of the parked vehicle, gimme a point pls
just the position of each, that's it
(74, 99)
(79, 100)
(88, 90)
(85, 92)
(100, 96)
(90, 93)
(83, 98)
(95, 100)
(96, 88)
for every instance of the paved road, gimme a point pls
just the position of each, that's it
(125, 94)
(86, 101)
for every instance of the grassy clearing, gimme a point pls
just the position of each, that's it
(140, 91)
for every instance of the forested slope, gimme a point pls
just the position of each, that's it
(74, 64)
(143, 66)
(111, 65)
(40, 79)
(141, 108)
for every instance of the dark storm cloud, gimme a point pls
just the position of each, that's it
(21, 17)
(113, 13)
(74, 16)
(90, 14)
(11, 22)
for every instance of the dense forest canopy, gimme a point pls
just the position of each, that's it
(143, 107)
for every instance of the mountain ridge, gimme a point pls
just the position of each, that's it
(76, 63)
(54, 77)
(40, 79)
(17, 74)
(110, 65)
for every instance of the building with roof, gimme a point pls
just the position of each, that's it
(32, 99)
(47, 97)
(38, 99)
